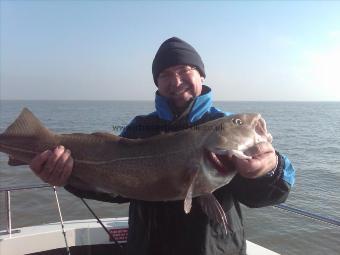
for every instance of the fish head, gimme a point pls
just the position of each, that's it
(232, 136)
(237, 133)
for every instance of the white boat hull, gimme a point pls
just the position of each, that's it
(79, 233)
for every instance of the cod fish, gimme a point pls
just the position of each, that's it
(172, 166)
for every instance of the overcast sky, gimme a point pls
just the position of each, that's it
(103, 50)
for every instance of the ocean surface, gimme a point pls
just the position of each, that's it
(307, 132)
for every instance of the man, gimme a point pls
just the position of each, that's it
(163, 227)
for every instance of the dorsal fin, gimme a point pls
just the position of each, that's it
(27, 125)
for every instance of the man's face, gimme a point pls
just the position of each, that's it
(180, 84)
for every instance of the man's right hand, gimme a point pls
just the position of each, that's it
(53, 167)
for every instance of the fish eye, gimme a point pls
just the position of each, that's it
(237, 122)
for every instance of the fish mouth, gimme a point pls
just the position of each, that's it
(261, 131)
(224, 165)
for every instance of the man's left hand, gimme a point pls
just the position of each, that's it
(263, 161)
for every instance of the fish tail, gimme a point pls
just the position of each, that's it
(25, 138)
(26, 124)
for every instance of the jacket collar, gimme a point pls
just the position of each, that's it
(199, 107)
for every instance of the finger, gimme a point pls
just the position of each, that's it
(259, 149)
(248, 168)
(61, 162)
(51, 163)
(245, 165)
(55, 176)
(257, 166)
(67, 171)
(37, 163)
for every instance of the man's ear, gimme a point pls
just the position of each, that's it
(202, 79)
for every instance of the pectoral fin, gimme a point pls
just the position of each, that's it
(188, 200)
(188, 197)
(213, 209)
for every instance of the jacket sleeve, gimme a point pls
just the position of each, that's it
(267, 190)
(101, 196)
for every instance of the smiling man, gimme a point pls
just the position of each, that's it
(162, 228)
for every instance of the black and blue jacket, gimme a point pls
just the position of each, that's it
(163, 228)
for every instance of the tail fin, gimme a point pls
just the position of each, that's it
(25, 138)
(28, 125)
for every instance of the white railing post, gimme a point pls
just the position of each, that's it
(9, 219)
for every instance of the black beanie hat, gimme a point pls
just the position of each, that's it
(175, 51)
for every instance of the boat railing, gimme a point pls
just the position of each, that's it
(8, 190)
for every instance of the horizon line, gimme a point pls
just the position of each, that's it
(152, 100)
